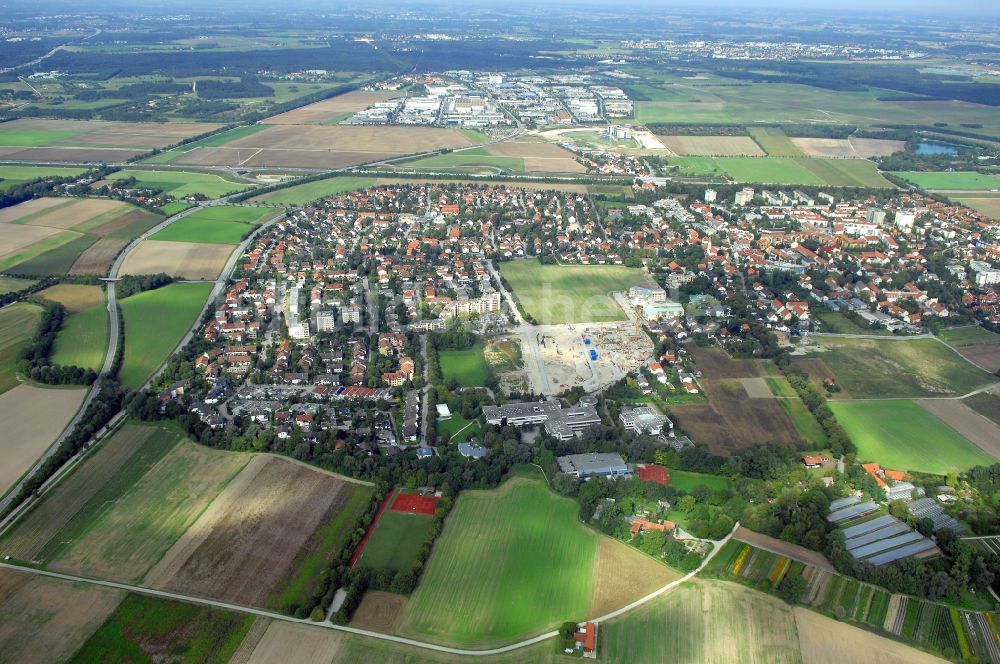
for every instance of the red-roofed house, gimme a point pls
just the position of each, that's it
(586, 640)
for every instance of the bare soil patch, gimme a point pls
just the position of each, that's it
(622, 575)
(119, 223)
(76, 213)
(242, 547)
(75, 154)
(977, 428)
(829, 148)
(716, 363)
(186, 260)
(756, 388)
(824, 640)
(986, 356)
(33, 417)
(47, 620)
(98, 256)
(75, 297)
(713, 146)
(875, 147)
(321, 111)
(379, 611)
(270, 158)
(731, 421)
(538, 157)
(783, 548)
(20, 210)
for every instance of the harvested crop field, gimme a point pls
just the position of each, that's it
(875, 147)
(716, 363)
(128, 536)
(847, 148)
(538, 157)
(731, 422)
(34, 206)
(47, 620)
(703, 621)
(970, 424)
(319, 146)
(75, 297)
(296, 644)
(242, 548)
(623, 575)
(184, 260)
(33, 417)
(97, 258)
(18, 322)
(379, 611)
(21, 242)
(824, 640)
(713, 146)
(986, 356)
(323, 111)
(79, 214)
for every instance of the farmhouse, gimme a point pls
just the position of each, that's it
(588, 465)
(586, 640)
(814, 460)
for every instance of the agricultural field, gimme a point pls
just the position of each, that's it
(537, 157)
(396, 541)
(248, 546)
(83, 339)
(75, 297)
(213, 225)
(467, 367)
(622, 575)
(143, 629)
(900, 434)
(967, 422)
(18, 322)
(213, 141)
(516, 158)
(329, 110)
(775, 142)
(836, 322)
(823, 640)
(712, 146)
(557, 294)
(273, 641)
(507, 565)
(986, 404)
(14, 284)
(308, 192)
(952, 181)
(184, 260)
(97, 258)
(988, 206)
(979, 346)
(181, 184)
(34, 139)
(47, 620)
(911, 368)
(804, 421)
(847, 148)
(155, 321)
(703, 621)
(33, 417)
(15, 175)
(785, 170)
(322, 147)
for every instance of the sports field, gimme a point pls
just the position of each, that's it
(686, 480)
(467, 367)
(900, 434)
(958, 180)
(180, 184)
(302, 194)
(556, 294)
(868, 368)
(154, 322)
(510, 563)
(396, 542)
(18, 323)
(213, 225)
(143, 629)
(703, 621)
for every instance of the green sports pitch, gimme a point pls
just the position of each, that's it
(558, 294)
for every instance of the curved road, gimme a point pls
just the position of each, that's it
(364, 632)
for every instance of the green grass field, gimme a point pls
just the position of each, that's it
(36, 137)
(555, 294)
(899, 434)
(473, 160)
(868, 368)
(154, 322)
(837, 323)
(396, 542)
(804, 421)
(301, 194)
(214, 225)
(458, 428)
(959, 180)
(182, 183)
(511, 562)
(703, 621)
(148, 629)
(775, 142)
(785, 170)
(13, 284)
(968, 336)
(18, 323)
(83, 339)
(467, 367)
(686, 480)
(14, 175)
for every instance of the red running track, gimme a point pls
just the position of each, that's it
(371, 528)
(414, 503)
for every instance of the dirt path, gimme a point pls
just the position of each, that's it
(793, 551)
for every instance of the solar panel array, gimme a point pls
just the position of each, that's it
(913, 549)
(930, 508)
(851, 512)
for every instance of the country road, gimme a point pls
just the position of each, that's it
(165, 594)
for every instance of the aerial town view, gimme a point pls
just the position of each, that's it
(435, 332)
